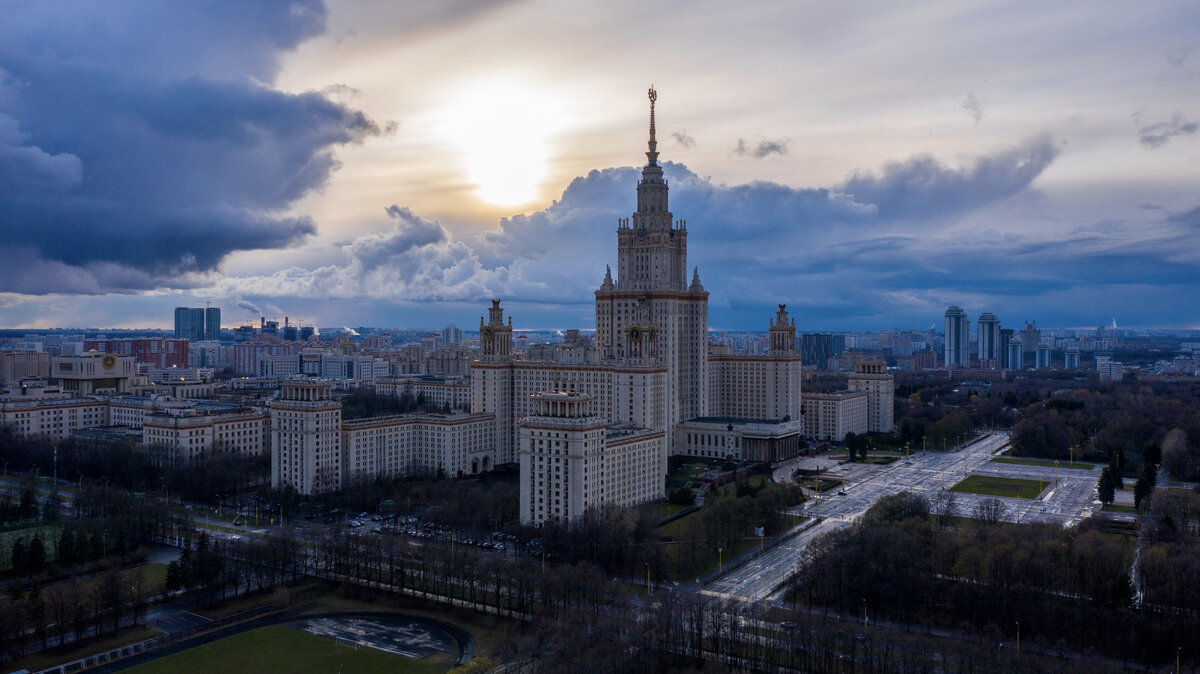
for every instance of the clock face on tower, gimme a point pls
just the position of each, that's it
(487, 332)
(635, 334)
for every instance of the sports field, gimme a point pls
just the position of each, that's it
(1000, 486)
(281, 649)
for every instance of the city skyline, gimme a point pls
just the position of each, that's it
(284, 169)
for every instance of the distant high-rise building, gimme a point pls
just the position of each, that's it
(1031, 337)
(816, 348)
(1071, 359)
(989, 341)
(197, 324)
(212, 323)
(958, 328)
(1016, 355)
(451, 334)
(1006, 337)
(189, 323)
(1043, 357)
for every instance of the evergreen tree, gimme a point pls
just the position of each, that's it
(1105, 489)
(20, 558)
(37, 555)
(29, 505)
(65, 550)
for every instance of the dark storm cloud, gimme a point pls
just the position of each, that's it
(1154, 136)
(765, 148)
(156, 132)
(740, 236)
(923, 187)
(410, 231)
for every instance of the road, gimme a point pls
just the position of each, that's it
(1064, 502)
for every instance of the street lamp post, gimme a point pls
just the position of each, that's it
(647, 565)
(1018, 639)
(720, 561)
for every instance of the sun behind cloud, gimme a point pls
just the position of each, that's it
(505, 131)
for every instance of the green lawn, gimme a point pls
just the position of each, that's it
(1118, 508)
(675, 528)
(1000, 486)
(49, 532)
(154, 576)
(688, 471)
(881, 460)
(664, 509)
(820, 484)
(280, 649)
(1046, 463)
(754, 481)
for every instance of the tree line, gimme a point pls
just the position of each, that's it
(126, 465)
(1069, 589)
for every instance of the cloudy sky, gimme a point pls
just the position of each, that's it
(361, 162)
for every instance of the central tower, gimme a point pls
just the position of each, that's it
(652, 248)
(650, 314)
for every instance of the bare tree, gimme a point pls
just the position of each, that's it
(943, 506)
(1176, 461)
(990, 510)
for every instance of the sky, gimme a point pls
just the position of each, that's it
(399, 164)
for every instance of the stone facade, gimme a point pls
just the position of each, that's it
(830, 416)
(881, 393)
(572, 460)
(306, 426)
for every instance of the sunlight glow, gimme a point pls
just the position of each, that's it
(505, 130)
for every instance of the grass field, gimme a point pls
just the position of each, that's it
(1046, 463)
(1118, 508)
(1000, 486)
(820, 485)
(675, 528)
(154, 576)
(50, 534)
(280, 649)
(687, 472)
(753, 482)
(664, 509)
(881, 460)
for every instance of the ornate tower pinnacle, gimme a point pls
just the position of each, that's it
(652, 155)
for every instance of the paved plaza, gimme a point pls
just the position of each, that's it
(1070, 497)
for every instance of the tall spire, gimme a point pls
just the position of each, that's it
(652, 155)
